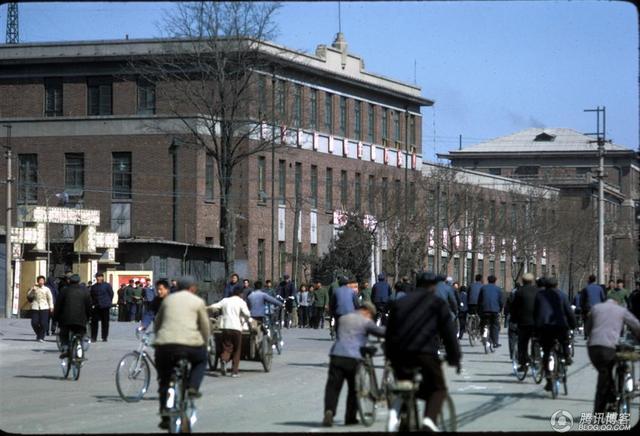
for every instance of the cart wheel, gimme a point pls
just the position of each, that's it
(212, 353)
(266, 353)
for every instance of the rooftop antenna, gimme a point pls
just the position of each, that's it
(339, 18)
(12, 24)
(415, 64)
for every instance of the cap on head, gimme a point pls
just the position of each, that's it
(186, 282)
(99, 275)
(380, 276)
(74, 278)
(369, 307)
(551, 282)
(528, 277)
(343, 280)
(426, 279)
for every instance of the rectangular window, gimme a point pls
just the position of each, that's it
(262, 179)
(385, 193)
(431, 263)
(297, 106)
(371, 194)
(385, 126)
(503, 215)
(262, 95)
(358, 193)
(328, 112)
(280, 98)
(146, 97)
(357, 109)
(208, 176)
(492, 215)
(492, 267)
(282, 182)
(343, 116)
(53, 97)
(162, 266)
(328, 190)
(298, 181)
(514, 215)
(99, 97)
(503, 273)
(495, 171)
(468, 275)
(396, 126)
(344, 189)
(371, 127)
(260, 259)
(121, 175)
(412, 130)
(74, 173)
(313, 110)
(314, 250)
(27, 179)
(480, 267)
(456, 269)
(121, 219)
(314, 186)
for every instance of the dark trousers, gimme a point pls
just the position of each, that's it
(524, 338)
(40, 322)
(67, 330)
(168, 355)
(493, 319)
(341, 368)
(603, 359)
(547, 337)
(381, 309)
(231, 348)
(122, 312)
(303, 315)
(54, 324)
(462, 316)
(135, 311)
(100, 315)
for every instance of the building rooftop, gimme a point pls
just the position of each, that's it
(538, 140)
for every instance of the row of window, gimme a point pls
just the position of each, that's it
(282, 257)
(28, 176)
(345, 187)
(326, 124)
(99, 97)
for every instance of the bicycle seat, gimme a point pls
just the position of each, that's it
(368, 351)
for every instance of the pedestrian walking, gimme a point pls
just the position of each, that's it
(591, 295)
(230, 286)
(148, 295)
(101, 299)
(342, 301)
(320, 304)
(303, 306)
(619, 293)
(135, 310)
(41, 306)
(234, 311)
(365, 293)
(122, 303)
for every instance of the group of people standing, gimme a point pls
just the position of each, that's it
(135, 298)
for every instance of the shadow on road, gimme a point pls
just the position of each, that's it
(19, 340)
(538, 417)
(45, 351)
(315, 339)
(301, 423)
(490, 361)
(498, 401)
(314, 365)
(46, 377)
(117, 399)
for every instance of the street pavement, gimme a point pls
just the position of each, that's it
(35, 398)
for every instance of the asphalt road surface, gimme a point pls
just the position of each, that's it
(34, 398)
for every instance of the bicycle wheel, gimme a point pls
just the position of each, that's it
(174, 405)
(447, 417)
(212, 353)
(472, 332)
(388, 380)
(277, 339)
(76, 360)
(563, 372)
(58, 342)
(65, 365)
(266, 352)
(365, 395)
(133, 376)
(536, 363)
(555, 379)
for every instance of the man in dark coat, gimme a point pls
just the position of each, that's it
(72, 311)
(51, 284)
(592, 294)
(342, 301)
(634, 301)
(231, 285)
(102, 298)
(522, 315)
(474, 291)
(381, 294)
(490, 304)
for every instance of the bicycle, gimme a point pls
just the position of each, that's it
(533, 363)
(179, 406)
(274, 331)
(404, 392)
(133, 373)
(486, 340)
(572, 343)
(367, 390)
(557, 369)
(74, 358)
(624, 377)
(473, 328)
(332, 328)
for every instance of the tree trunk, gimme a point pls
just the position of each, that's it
(227, 226)
(294, 251)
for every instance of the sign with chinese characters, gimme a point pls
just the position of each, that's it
(281, 224)
(313, 218)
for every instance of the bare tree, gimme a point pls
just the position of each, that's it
(211, 77)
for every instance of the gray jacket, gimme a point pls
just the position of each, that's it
(605, 324)
(352, 333)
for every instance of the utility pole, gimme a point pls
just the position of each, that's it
(13, 36)
(273, 175)
(601, 139)
(8, 252)
(406, 163)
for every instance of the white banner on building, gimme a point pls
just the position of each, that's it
(313, 218)
(431, 237)
(16, 287)
(281, 223)
(300, 226)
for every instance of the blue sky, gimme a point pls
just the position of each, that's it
(493, 68)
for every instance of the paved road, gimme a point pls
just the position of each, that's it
(35, 399)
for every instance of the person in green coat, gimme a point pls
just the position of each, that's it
(365, 293)
(619, 294)
(320, 302)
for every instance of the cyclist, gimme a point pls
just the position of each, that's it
(72, 311)
(553, 319)
(416, 325)
(603, 326)
(258, 301)
(345, 356)
(522, 315)
(474, 291)
(445, 291)
(342, 301)
(464, 308)
(381, 294)
(490, 303)
(162, 290)
(182, 330)
(591, 295)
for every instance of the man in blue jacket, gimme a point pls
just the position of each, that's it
(258, 300)
(591, 295)
(229, 287)
(342, 301)
(490, 303)
(445, 291)
(101, 300)
(474, 291)
(381, 294)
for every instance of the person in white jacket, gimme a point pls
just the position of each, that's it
(41, 306)
(234, 311)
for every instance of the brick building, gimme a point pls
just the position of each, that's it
(85, 126)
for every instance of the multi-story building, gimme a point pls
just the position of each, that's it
(568, 160)
(84, 125)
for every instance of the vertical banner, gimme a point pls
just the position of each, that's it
(300, 226)
(359, 150)
(315, 141)
(373, 152)
(386, 156)
(414, 160)
(281, 224)
(16, 287)
(313, 218)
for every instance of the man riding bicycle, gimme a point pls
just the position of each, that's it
(72, 311)
(521, 313)
(416, 324)
(380, 295)
(474, 292)
(490, 304)
(553, 318)
(182, 330)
